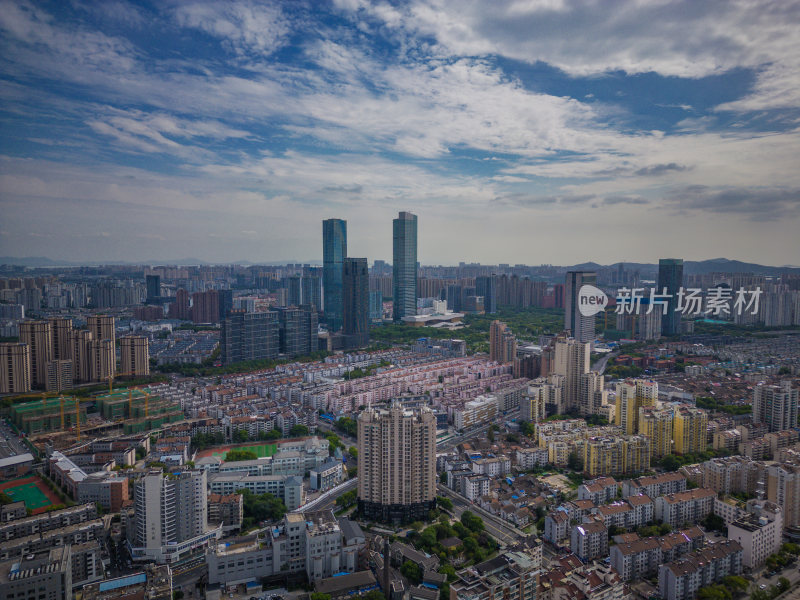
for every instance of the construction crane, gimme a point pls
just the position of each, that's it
(77, 418)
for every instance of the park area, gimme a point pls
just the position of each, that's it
(260, 450)
(32, 491)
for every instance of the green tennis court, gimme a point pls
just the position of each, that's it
(30, 494)
(260, 450)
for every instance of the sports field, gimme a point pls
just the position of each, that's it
(32, 491)
(260, 450)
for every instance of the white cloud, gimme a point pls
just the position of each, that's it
(247, 28)
(683, 38)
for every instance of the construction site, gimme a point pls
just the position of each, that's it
(61, 421)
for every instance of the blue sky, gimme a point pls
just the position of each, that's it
(532, 132)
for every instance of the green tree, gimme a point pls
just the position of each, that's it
(714, 522)
(347, 499)
(320, 596)
(298, 431)
(575, 462)
(260, 507)
(411, 571)
(237, 455)
(240, 436)
(471, 521)
(790, 548)
(5, 498)
(348, 426)
(444, 503)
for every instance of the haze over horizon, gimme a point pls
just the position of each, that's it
(548, 133)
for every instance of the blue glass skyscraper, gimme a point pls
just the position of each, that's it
(670, 278)
(404, 265)
(334, 250)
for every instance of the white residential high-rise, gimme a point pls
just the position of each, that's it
(571, 360)
(396, 463)
(776, 405)
(170, 516)
(759, 532)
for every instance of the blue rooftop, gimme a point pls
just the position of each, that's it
(115, 584)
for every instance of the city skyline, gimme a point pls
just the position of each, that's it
(226, 130)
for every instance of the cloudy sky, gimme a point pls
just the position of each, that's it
(541, 131)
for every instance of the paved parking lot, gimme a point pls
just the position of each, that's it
(10, 444)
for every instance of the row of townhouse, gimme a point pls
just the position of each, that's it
(682, 578)
(634, 557)
(691, 506)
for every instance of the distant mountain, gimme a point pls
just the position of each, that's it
(694, 267)
(35, 261)
(690, 267)
(43, 261)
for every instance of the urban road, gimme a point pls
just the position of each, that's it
(503, 532)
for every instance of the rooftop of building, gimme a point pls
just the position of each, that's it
(697, 559)
(50, 561)
(695, 494)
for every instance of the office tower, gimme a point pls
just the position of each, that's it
(657, 425)
(581, 327)
(294, 290)
(15, 368)
(355, 309)
(81, 363)
(486, 286)
(39, 337)
(297, 330)
(375, 305)
(571, 360)
(670, 280)
(170, 512)
(102, 359)
(153, 286)
(312, 291)
(205, 307)
(61, 331)
(453, 294)
(631, 396)
(334, 249)
(102, 327)
(558, 295)
(396, 463)
(59, 375)
(225, 301)
(690, 430)
(134, 355)
(776, 405)
(404, 267)
(502, 343)
(249, 336)
(180, 308)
